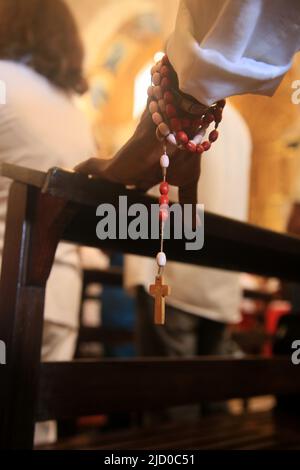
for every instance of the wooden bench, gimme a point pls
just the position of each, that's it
(45, 208)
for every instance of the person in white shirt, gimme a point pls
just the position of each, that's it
(40, 127)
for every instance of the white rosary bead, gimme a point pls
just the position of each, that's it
(159, 136)
(154, 69)
(161, 259)
(150, 91)
(164, 129)
(157, 92)
(162, 105)
(164, 161)
(157, 118)
(156, 78)
(171, 139)
(197, 139)
(153, 107)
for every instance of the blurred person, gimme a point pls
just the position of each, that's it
(41, 58)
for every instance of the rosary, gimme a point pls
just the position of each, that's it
(182, 122)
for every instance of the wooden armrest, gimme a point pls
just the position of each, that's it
(148, 383)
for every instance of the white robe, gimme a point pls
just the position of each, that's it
(221, 48)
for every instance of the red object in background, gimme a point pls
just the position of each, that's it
(274, 312)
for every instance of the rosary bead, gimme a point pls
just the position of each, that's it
(156, 78)
(168, 97)
(171, 111)
(182, 138)
(159, 135)
(157, 92)
(154, 69)
(165, 60)
(171, 139)
(164, 188)
(191, 146)
(164, 71)
(157, 118)
(206, 145)
(161, 259)
(175, 124)
(200, 148)
(208, 118)
(153, 107)
(166, 83)
(164, 161)
(213, 135)
(163, 200)
(150, 91)
(164, 129)
(162, 105)
(163, 214)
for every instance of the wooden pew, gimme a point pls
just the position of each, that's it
(45, 208)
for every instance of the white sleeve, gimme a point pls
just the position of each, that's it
(221, 48)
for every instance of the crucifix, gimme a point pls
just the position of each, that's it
(159, 291)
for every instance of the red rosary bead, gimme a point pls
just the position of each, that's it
(191, 146)
(164, 199)
(164, 71)
(200, 148)
(164, 188)
(165, 60)
(206, 145)
(208, 118)
(168, 97)
(165, 83)
(175, 124)
(171, 111)
(181, 137)
(213, 135)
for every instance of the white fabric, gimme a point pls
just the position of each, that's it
(39, 128)
(221, 48)
(59, 343)
(223, 188)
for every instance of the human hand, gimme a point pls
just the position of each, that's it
(137, 163)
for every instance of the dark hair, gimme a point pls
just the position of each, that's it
(43, 34)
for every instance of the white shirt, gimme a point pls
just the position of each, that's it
(221, 48)
(223, 189)
(39, 128)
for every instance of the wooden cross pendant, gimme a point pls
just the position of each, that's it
(159, 291)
